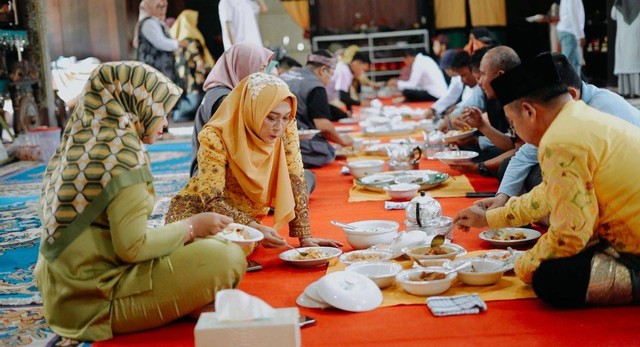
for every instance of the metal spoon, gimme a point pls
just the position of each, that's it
(437, 241)
(303, 254)
(344, 226)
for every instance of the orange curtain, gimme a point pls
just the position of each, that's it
(299, 12)
(488, 13)
(450, 14)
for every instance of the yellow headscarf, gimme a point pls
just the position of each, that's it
(186, 27)
(260, 168)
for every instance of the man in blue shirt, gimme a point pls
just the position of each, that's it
(523, 171)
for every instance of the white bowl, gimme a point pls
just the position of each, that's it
(377, 179)
(405, 239)
(365, 256)
(382, 274)
(455, 157)
(349, 291)
(422, 252)
(483, 272)
(361, 168)
(244, 236)
(402, 191)
(425, 288)
(293, 257)
(371, 232)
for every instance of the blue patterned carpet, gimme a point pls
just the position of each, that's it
(20, 314)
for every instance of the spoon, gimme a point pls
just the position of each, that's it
(303, 254)
(459, 267)
(344, 226)
(437, 241)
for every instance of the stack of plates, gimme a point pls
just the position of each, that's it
(348, 291)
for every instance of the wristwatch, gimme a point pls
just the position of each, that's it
(482, 170)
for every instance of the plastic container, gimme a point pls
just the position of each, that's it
(46, 140)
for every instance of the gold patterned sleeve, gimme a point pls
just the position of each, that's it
(299, 226)
(574, 208)
(521, 210)
(211, 183)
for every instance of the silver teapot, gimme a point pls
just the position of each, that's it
(423, 211)
(403, 157)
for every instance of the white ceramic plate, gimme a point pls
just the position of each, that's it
(349, 291)
(345, 128)
(455, 135)
(230, 234)
(389, 131)
(307, 134)
(328, 253)
(311, 292)
(365, 255)
(491, 235)
(435, 179)
(305, 301)
(377, 179)
(453, 157)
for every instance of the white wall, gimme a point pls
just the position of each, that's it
(276, 24)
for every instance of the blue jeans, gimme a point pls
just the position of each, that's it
(570, 47)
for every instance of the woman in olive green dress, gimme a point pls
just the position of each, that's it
(100, 270)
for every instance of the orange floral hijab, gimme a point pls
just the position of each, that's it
(260, 168)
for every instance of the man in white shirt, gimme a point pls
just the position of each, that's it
(238, 21)
(571, 31)
(426, 82)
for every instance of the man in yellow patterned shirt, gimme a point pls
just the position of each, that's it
(589, 161)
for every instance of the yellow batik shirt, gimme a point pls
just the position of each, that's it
(590, 163)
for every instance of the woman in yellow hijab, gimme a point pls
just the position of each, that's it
(249, 160)
(101, 271)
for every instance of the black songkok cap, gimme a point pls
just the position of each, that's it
(526, 78)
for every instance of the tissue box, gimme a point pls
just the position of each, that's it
(282, 330)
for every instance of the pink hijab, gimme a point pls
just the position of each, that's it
(236, 63)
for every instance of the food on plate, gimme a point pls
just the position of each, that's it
(236, 233)
(363, 256)
(428, 276)
(311, 254)
(497, 256)
(505, 235)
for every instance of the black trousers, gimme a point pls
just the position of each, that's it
(418, 95)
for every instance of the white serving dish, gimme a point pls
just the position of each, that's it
(382, 274)
(420, 252)
(505, 257)
(455, 157)
(365, 256)
(482, 272)
(402, 191)
(361, 168)
(425, 288)
(305, 301)
(371, 233)
(489, 236)
(349, 291)
(329, 253)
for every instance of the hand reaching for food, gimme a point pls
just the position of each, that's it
(271, 237)
(472, 117)
(473, 216)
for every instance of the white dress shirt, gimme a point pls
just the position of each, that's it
(572, 18)
(241, 15)
(425, 75)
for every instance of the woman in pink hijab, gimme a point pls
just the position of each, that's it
(236, 63)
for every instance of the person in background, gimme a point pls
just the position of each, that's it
(627, 65)
(426, 82)
(439, 45)
(287, 63)
(478, 38)
(450, 61)
(101, 271)
(154, 43)
(241, 60)
(571, 31)
(238, 21)
(192, 64)
(249, 161)
(308, 85)
(345, 85)
(590, 254)
(522, 171)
